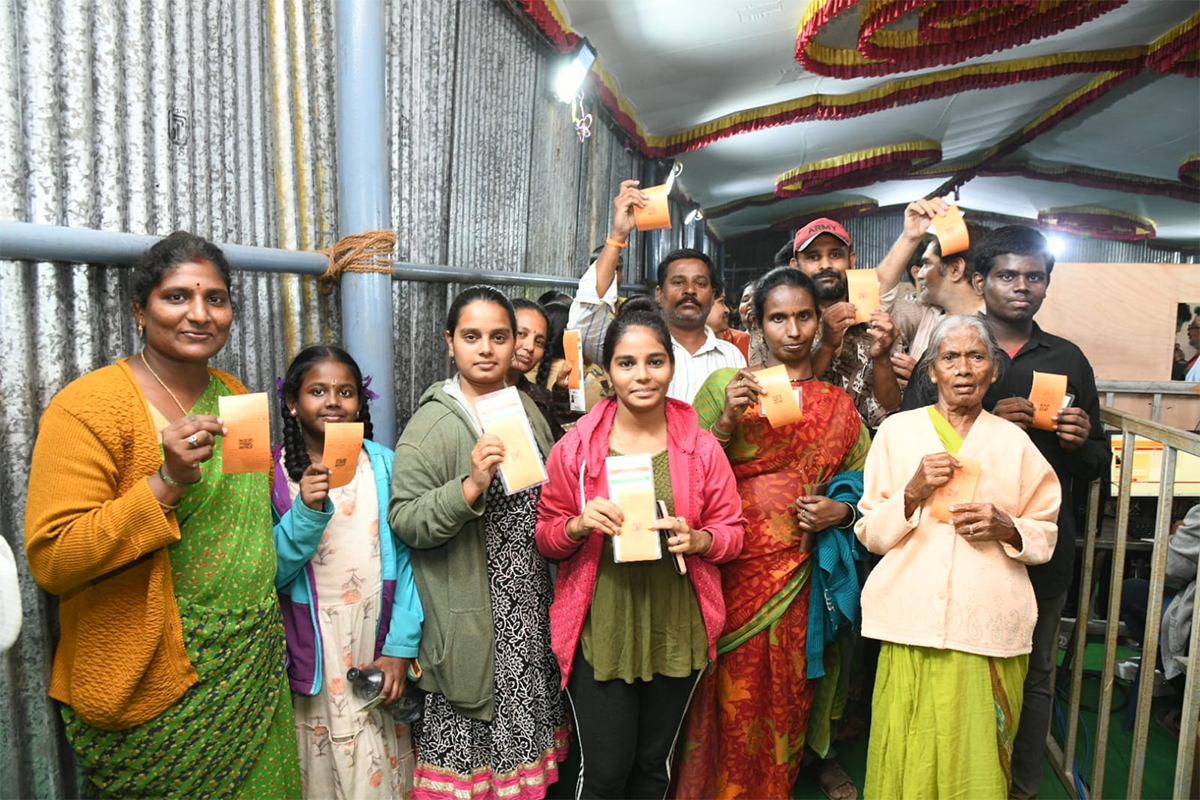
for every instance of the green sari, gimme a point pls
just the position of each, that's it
(943, 721)
(232, 734)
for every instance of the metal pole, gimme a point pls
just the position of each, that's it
(1083, 616)
(1158, 580)
(1113, 620)
(27, 241)
(363, 197)
(1185, 757)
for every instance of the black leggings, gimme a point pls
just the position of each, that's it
(626, 732)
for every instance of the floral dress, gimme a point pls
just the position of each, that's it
(345, 753)
(515, 755)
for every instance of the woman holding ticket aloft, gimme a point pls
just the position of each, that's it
(494, 722)
(957, 501)
(632, 638)
(795, 444)
(333, 544)
(170, 666)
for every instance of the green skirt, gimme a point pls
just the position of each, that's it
(942, 723)
(231, 735)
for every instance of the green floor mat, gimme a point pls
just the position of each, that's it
(1160, 750)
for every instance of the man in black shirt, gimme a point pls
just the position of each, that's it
(1012, 273)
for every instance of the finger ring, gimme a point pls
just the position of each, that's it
(193, 441)
(971, 529)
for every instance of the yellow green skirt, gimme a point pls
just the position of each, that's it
(942, 723)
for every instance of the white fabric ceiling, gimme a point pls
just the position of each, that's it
(681, 63)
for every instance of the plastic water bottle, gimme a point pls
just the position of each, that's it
(367, 685)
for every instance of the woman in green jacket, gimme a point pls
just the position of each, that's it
(493, 720)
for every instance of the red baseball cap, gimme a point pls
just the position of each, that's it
(815, 228)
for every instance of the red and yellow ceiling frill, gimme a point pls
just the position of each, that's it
(1098, 223)
(946, 33)
(857, 169)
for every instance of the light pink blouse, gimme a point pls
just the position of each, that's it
(933, 588)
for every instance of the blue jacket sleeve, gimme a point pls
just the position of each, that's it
(404, 633)
(297, 535)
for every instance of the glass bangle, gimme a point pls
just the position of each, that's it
(173, 482)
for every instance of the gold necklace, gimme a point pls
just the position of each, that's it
(166, 388)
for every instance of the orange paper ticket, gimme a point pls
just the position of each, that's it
(1047, 395)
(960, 489)
(781, 404)
(501, 414)
(573, 351)
(631, 487)
(657, 213)
(247, 445)
(951, 232)
(573, 355)
(343, 441)
(863, 286)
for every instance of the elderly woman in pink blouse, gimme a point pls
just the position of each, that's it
(957, 501)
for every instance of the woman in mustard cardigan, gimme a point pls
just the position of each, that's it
(170, 666)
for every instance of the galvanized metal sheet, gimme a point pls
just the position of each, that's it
(216, 116)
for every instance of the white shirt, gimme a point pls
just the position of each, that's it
(591, 315)
(1194, 373)
(692, 369)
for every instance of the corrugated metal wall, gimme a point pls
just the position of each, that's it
(486, 169)
(143, 117)
(217, 116)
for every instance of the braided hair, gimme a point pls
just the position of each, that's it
(295, 454)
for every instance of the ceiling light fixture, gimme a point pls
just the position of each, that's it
(695, 215)
(571, 74)
(1058, 245)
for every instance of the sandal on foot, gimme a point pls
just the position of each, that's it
(834, 781)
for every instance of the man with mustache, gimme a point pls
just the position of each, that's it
(855, 356)
(685, 294)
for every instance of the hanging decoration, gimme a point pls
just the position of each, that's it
(582, 119)
(1098, 223)
(1189, 169)
(1177, 52)
(857, 169)
(1099, 178)
(858, 207)
(945, 33)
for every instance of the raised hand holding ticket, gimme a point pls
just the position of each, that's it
(951, 231)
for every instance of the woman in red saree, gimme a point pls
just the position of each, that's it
(747, 726)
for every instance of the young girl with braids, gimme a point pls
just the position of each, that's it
(346, 587)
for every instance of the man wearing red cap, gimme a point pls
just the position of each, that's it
(854, 356)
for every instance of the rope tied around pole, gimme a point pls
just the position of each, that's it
(370, 251)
